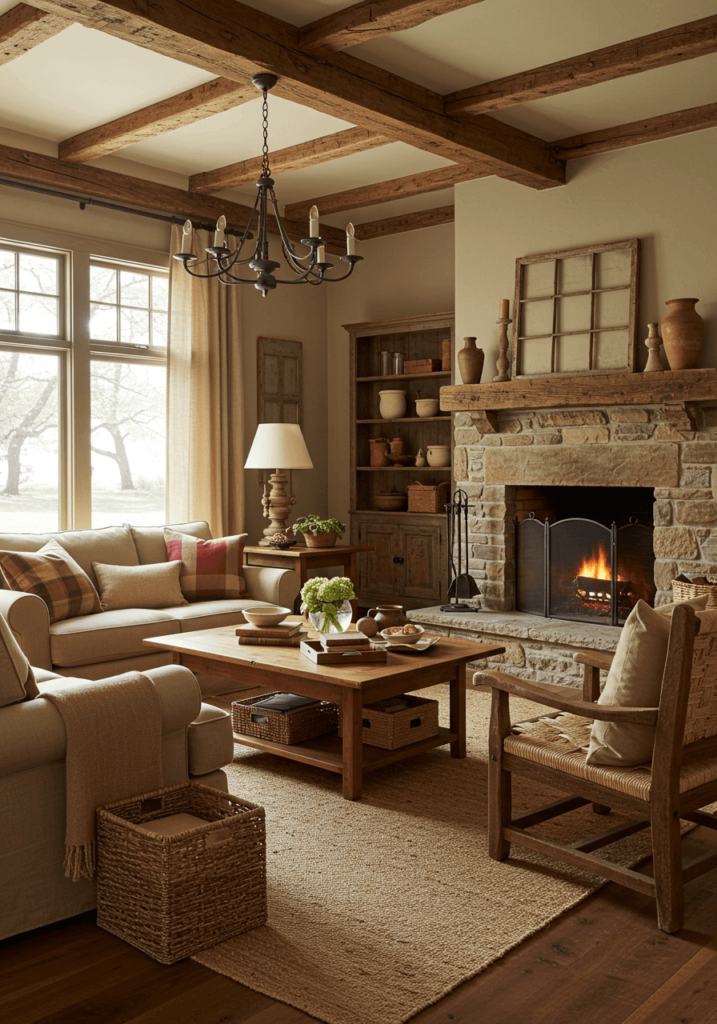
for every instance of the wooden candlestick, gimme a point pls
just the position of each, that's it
(653, 342)
(502, 363)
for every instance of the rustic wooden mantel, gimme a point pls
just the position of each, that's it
(485, 401)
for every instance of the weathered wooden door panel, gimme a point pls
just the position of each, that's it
(377, 574)
(279, 381)
(423, 568)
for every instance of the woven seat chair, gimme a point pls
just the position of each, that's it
(552, 750)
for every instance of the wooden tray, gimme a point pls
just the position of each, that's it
(314, 651)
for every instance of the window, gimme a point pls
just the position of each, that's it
(115, 388)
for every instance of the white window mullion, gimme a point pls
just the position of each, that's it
(79, 462)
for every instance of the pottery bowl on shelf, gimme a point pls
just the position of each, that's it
(427, 407)
(390, 501)
(392, 404)
(395, 634)
(439, 455)
(265, 614)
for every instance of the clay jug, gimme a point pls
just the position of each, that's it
(683, 332)
(470, 362)
(378, 448)
(388, 615)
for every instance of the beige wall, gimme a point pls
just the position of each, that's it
(664, 193)
(401, 275)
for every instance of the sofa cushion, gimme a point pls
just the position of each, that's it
(112, 545)
(53, 575)
(139, 586)
(211, 569)
(106, 636)
(210, 614)
(149, 540)
(17, 681)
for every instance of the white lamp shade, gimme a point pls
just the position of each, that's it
(278, 446)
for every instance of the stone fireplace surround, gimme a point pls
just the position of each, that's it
(671, 447)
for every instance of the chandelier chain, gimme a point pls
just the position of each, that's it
(265, 169)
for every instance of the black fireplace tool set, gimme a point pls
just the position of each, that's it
(461, 585)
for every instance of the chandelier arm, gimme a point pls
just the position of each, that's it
(202, 277)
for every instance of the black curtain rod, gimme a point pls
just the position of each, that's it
(84, 201)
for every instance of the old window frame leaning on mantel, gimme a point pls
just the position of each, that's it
(600, 346)
(280, 399)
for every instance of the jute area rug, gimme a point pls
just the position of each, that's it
(379, 907)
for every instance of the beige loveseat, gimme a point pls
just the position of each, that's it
(196, 741)
(108, 643)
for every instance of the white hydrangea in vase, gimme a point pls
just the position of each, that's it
(328, 602)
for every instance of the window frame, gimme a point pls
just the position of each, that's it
(62, 338)
(121, 348)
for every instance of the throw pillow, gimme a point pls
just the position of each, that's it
(139, 586)
(54, 576)
(634, 681)
(211, 569)
(149, 540)
(17, 680)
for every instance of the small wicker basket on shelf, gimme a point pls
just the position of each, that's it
(687, 590)
(427, 497)
(272, 725)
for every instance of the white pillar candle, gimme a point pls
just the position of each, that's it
(314, 222)
(503, 309)
(187, 236)
(219, 233)
(350, 240)
(321, 254)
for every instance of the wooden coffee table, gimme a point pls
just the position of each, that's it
(217, 652)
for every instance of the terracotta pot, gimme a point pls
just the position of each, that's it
(683, 332)
(378, 448)
(387, 615)
(321, 540)
(470, 362)
(392, 404)
(397, 446)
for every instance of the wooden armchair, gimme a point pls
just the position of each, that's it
(681, 779)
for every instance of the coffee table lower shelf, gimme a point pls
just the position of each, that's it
(326, 751)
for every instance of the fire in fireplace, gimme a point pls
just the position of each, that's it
(594, 586)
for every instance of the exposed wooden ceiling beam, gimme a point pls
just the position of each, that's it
(23, 27)
(235, 41)
(384, 191)
(307, 154)
(406, 222)
(373, 18)
(97, 183)
(695, 119)
(165, 116)
(683, 42)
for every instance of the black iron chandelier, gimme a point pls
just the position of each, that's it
(310, 268)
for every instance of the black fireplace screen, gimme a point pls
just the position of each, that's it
(579, 569)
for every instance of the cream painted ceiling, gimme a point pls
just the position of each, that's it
(82, 78)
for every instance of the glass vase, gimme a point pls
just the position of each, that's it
(325, 621)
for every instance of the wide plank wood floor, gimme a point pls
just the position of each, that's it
(604, 961)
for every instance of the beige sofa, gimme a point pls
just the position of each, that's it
(108, 643)
(196, 742)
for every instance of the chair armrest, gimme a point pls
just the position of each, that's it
(275, 586)
(596, 659)
(29, 620)
(566, 698)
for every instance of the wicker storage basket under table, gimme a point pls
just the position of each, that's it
(272, 725)
(427, 497)
(381, 729)
(688, 591)
(174, 895)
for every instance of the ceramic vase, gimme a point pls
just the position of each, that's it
(470, 362)
(683, 332)
(392, 404)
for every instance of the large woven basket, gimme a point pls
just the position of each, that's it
(688, 591)
(381, 729)
(173, 895)
(272, 725)
(427, 497)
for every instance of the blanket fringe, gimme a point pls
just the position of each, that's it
(80, 861)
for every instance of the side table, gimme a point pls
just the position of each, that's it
(301, 559)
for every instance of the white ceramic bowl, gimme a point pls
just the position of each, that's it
(403, 638)
(427, 407)
(439, 455)
(265, 614)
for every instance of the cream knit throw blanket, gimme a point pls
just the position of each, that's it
(114, 751)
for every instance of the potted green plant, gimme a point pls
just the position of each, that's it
(319, 533)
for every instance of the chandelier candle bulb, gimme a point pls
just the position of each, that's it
(321, 254)
(314, 222)
(187, 236)
(504, 307)
(219, 233)
(350, 240)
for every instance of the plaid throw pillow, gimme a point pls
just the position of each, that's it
(211, 569)
(54, 576)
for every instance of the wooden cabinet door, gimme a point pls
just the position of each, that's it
(423, 566)
(377, 575)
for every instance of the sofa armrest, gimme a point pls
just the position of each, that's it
(179, 693)
(29, 619)
(275, 586)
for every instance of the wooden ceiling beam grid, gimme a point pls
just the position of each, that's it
(405, 222)
(294, 158)
(235, 41)
(174, 112)
(24, 27)
(665, 126)
(384, 191)
(682, 42)
(371, 19)
(98, 183)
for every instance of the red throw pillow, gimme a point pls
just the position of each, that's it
(211, 569)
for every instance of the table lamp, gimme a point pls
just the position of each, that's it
(277, 446)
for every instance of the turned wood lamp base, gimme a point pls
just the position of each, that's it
(277, 505)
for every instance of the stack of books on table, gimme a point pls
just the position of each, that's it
(286, 634)
(345, 642)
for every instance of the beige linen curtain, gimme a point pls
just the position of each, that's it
(205, 434)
